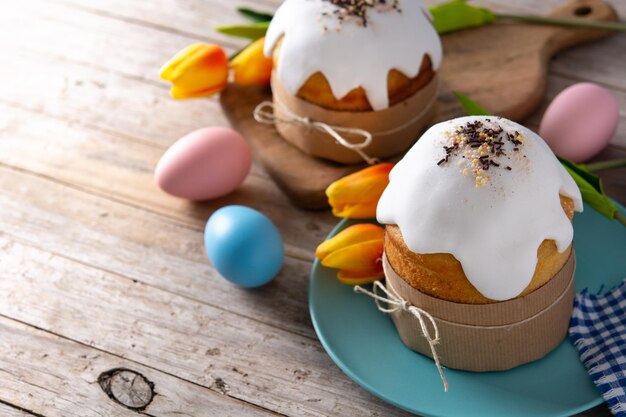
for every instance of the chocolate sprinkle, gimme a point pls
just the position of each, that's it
(481, 145)
(358, 9)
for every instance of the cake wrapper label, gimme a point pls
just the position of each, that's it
(393, 130)
(489, 337)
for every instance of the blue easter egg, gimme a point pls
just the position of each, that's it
(244, 246)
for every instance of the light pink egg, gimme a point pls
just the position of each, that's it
(580, 121)
(205, 164)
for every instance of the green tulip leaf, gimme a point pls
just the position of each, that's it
(471, 107)
(457, 14)
(252, 32)
(254, 15)
(590, 185)
(591, 188)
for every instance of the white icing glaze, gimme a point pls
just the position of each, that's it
(494, 230)
(351, 55)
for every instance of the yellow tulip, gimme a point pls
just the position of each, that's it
(356, 196)
(357, 252)
(199, 70)
(251, 66)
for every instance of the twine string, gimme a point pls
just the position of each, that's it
(265, 113)
(396, 303)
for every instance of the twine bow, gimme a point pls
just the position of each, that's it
(265, 113)
(396, 303)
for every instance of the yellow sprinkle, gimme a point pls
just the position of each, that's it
(481, 180)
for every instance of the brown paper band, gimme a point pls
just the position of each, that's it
(494, 314)
(266, 113)
(393, 129)
(486, 339)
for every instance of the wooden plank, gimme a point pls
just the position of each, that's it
(143, 247)
(7, 410)
(102, 99)
(230, 354)
(47, 374)
(111, 166)
(195, 19)
(134, 50)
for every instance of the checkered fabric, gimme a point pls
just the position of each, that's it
(598, 330)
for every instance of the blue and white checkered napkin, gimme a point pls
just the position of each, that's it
(598, 330)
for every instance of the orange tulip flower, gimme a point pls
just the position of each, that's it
(357, 252)
(356, 196)
(199, 70)
(251, 66)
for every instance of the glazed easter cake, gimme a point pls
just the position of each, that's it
(479, 234)
(364, 65)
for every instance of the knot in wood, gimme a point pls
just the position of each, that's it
(127, 387)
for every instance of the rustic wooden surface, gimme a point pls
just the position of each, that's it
(99, 270)
(503, 67)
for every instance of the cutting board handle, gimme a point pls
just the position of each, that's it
(589, 10)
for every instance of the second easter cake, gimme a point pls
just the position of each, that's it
(359, 65)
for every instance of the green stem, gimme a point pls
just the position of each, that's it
(579, 23)
(619, 216)
(611, 164)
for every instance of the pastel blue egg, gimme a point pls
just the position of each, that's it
(244, 246)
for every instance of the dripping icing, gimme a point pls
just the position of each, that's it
(351, 56)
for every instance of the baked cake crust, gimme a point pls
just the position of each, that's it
(441, 274)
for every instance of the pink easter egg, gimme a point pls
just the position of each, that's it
(580, 121)
(206, 163)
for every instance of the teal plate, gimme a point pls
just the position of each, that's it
(363, 342)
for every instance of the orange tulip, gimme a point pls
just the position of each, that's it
(199, 70)
(357, 252)
(251, 66)
(356, 196)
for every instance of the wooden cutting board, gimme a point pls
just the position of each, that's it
(503, 66)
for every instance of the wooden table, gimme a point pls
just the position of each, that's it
(99, 270)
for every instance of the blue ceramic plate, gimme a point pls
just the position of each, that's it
(363, 342)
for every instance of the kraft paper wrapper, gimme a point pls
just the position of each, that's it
(490, 337)
(400, 122)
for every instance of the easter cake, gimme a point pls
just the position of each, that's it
(479, 234)
(353, 65)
